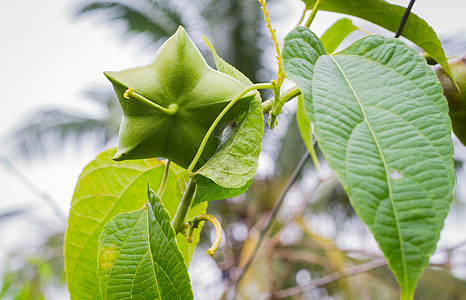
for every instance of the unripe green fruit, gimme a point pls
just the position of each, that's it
(456, 100)
(169, 105)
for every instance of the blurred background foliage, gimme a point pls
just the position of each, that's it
(317, 247)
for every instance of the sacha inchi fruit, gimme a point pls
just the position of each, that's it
(456, 100)
(169, 105)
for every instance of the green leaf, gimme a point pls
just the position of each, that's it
(207, 190)
(236, 161)
(304, 123)
(389, 16)
(305, 128)
(171, 270)
(381, 120)
(106, 188)
(333, 37)
(139, 256)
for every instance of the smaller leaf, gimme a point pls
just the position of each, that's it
(139, 256)
(304, 123)
(336, 34)
(171, 271)
(124, 261)
(106, 188)
(207, 190)
(305, 128)
(236, 161)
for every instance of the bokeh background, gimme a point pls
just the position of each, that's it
(59, 112)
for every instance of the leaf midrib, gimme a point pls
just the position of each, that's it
(390, 192)
(121, 248)
(150, 250)
(168, 241)
(136, 272)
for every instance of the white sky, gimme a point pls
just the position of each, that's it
(48, 59)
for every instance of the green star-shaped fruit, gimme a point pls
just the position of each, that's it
(170, 104)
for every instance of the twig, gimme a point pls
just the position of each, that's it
(273, 214)
(44, 196)
(459, 245)
(404, 19)
(299, 210)
(330, 278)
(303, 256)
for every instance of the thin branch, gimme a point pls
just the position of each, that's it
(44, 196)
(330, 278)
(459, 245)
(301, 207)
(404, 19)
(273, 214)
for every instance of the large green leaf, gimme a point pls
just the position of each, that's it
(106, 188)
(139, 256)
(235, 163)
(389, 16)
(381, 120)
(336, 33)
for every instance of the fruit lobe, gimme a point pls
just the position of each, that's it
(456, 99)
(179, 79)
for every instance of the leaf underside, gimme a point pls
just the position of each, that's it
(381, 120)
(389, 16)
(139, 257)
(106, 188)
(207, 190)
(229, 172)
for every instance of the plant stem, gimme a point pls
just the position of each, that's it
(288, 95)
(218, 231)
(275, 41)
(329, 279)
(219, 117)
(313, 13)
(280, 73)
(179, 224)
(272, 216)
(163, 184)
(171, 110)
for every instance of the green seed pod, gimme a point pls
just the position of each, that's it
(456, 100)
(169, 105)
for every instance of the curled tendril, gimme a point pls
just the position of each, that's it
(194, 223)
